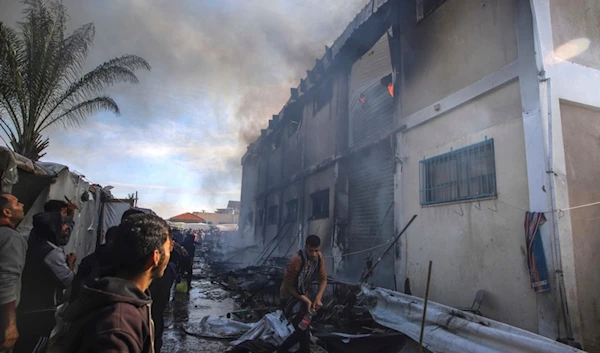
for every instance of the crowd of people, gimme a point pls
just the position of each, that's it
(115, 299)
(112, 302)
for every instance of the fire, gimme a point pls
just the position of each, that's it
(363, 99)
(390, 88)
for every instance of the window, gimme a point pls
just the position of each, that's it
(272, 215)
(209, 222)
(320, 204)
(426, 7)
(322, 97)
(291, 211)
(261, 217)
(465, 174)
(250, 218)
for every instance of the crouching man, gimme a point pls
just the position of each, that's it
(113, 314)
(302, 269)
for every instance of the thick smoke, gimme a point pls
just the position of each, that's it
(223, 66)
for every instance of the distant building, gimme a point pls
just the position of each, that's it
(187, 218)
(229, 215)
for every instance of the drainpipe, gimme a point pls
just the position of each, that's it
(558, 272)
(560, 292)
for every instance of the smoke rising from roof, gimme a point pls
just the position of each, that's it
(222, 67)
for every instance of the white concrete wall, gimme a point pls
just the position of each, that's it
(573, 79)
(443, 54)
(473, 245)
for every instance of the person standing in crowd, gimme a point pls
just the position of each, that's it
(190, 248)
(302, 269)
(67, 209)
(46, 274)
(13, 249)
(160, 290)
(113, 314)
(100, 262)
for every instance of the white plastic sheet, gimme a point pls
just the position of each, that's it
(218, 327)
(272, 328)
(449, 330)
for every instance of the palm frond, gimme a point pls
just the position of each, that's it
(9, 75)
(79, 112)
(118, 70)
(41, 81)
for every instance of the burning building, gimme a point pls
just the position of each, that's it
(476, 116)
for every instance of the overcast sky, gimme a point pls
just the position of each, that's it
(220, 69)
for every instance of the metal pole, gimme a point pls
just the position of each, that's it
(364, 278)
(425, 309)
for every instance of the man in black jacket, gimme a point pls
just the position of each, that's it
(101, 262)
(46, 274)
(113, 314)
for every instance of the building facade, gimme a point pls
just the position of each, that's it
(467, 114)
(229, 215)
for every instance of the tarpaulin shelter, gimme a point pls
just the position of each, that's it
(34, 183)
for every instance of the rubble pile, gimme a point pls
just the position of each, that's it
(343, 325)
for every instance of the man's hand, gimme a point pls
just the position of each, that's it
(308, 303)
(317, 304)
(71, 207)
(9, 336)
(71, 258)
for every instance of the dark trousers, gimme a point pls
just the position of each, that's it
(299, 336)
(34, 331)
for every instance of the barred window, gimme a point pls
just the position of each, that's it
(465, 174)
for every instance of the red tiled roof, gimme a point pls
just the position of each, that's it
(187, 218)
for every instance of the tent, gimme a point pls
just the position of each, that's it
(34, 183)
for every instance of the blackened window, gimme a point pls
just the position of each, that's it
(276, 141)
(261, 217)
(291, 211)
(320, 204)
(293, 127)
(322, 97)
(272, 215)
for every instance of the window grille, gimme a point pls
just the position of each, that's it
(465, 174)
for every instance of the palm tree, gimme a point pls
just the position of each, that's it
(41, 81)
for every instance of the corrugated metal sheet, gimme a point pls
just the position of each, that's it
(370, 103)
(371, 192)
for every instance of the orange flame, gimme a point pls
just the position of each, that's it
(391, 89)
